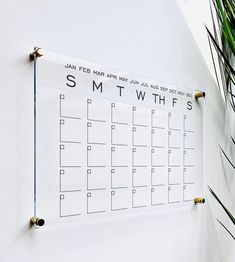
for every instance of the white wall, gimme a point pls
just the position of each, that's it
(220, 122)
(198, 16)
(145, 37)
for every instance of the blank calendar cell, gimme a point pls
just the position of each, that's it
(97, 110)
(140, 136)
(96, 201)
(70, 204)
(175, 193)
(189, 157)
(97, 156)
(140, 197)
(96, 178)
(97, 133)
(175, 121)
(175, 139)
(189, 123)
(189, 175)
(159, 157)
(71, 179)
(140, 177)
(158, 195)
(71, 155)
(121, 134)
(189, 192)
(140, 156)
(120, 156)
(159, 176)
(121, 113)
(159, 137)
(71, 130)
(120, 177)
(141, 116)
(175, 175)
(72, 106)
(189, 140)
(175, 157)
(159, 119)
(120, 199)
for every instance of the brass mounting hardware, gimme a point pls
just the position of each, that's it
(38, 52)
(37, 221)
(199, 200)
(199, 94)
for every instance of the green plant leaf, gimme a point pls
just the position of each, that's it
(225, 73)
(230, 11)
(231, 101)
(230, 162)
(232, 105)
(226, 229)
(226, 26)
(233, 140)
(219, 50)
(222, 205)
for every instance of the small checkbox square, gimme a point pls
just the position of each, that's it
(61, 96)
(152, 189)
(134, 170)
(88, 194)
(152, 150)
(152, 170)
(133, 149)
(133, 191)
(112, 171)
(112, 149)
(153, 131)
(61, 146)
(62, 171)
(113, 127)
(134, 129)
(88, 171)
(134, 108)
(89, 148)
(113, 105)
(89, 101)
(89, 124)
(61, 121)
(112, 193)
(61, 196)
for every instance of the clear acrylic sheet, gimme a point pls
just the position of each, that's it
(111, 144)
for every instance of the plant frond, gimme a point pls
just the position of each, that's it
(226, 229)
(232, 218)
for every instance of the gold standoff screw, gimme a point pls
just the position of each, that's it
(37, 221)
(199, 200)
(37, 52)
(199, 94)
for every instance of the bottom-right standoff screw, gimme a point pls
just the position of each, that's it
(199, 200)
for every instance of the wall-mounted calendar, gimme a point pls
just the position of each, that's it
(110, 143)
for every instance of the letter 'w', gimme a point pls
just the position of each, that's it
(140, 95)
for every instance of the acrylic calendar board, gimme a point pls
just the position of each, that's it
(110, 143)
